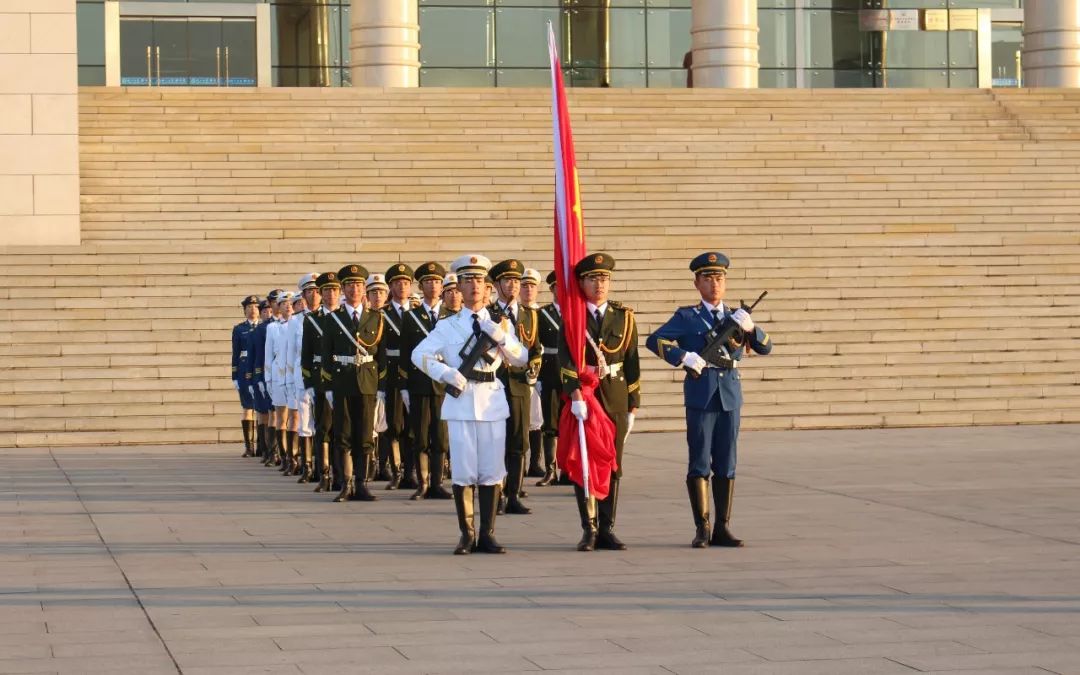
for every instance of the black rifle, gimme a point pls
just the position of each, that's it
(725, 334)
(476, 348)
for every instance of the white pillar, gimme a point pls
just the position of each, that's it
(724, 38)
(1052, 43)
(39, 124)
(385, 47)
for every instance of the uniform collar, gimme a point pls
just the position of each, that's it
(709, 308)
(435, 309)
(400, 309)
(354, 312)
(512, 307)
(592, 308)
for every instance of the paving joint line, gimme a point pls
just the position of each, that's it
(116, 562)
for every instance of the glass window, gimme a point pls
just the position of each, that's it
(835, 41)
(526, 77)
(775, 78)
(915, 49)
(963, 49)
(848, 79)
(776, 38)
(617, 77)
(90, 24)
(457, 37)
(896, 78)
(457, 77)
(672, 78)
(521, 38)
(964, 79)
(668, 33)
(622, 31)
(1007, 40)
(91, 76)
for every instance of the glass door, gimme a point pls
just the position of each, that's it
(187, 51)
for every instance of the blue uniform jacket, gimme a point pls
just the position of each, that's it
(242, 370)
(258, 353)
(716, 388)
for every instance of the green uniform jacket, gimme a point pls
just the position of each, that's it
(349, 379)
(516, 380)
(311, 350)
(417, 382)
(618, 339)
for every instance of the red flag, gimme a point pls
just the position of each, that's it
(569, 249)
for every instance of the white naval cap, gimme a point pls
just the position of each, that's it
(307, 281)
(471, 265)
(530, 275)
(449, 281)
(285, 296)
(375, 281)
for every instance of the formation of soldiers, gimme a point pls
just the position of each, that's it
(418, 376)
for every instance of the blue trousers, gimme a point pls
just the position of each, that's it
(711, 437)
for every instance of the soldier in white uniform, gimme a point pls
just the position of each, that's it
(476, 419)
(301, 398)
(274, 372)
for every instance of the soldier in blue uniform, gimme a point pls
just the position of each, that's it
(712, 393)
(240, 356)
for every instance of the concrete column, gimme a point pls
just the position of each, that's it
(39, 123)
(724, 38)
(1052, 43)
(385, 48)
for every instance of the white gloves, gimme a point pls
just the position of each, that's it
(405, 399)
(494, 330)
(251, 390)
(580, 409)
(381, 395)
(330, 398)
(455, 378)
(380, 412)
(236, 385)
(742, 317)
(262, 389)
(694, 362)
(629, 423)
(539, 387)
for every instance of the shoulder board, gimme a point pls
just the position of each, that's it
(688, 308)
(615, 304)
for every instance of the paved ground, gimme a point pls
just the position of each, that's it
(932, 550)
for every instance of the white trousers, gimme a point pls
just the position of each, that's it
(477, 451)
(536, 411)
(305, 419)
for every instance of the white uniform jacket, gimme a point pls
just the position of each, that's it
(276, 339)
(438, 353)
(272, 328)
(294, 331)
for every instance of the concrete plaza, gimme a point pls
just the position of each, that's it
(879, 551)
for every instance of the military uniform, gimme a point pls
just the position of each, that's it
(429, 433)
(517, 383)
(713, 399)
(311, 369)
(354, 362)
(395, 443)
(476, 418)
(241, 356)
(612, 351)
(263, 404)
(550, 382)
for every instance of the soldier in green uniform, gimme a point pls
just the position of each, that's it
(311, 369)
(550, 384)
(423, 397)
(611, 351)
(516, 380)
(394, 442)
(354, 362)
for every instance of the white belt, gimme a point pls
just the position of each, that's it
(316, 359)
(393, 353)
(551, 351)
(608, 371)
(243, 353)
(351, 360)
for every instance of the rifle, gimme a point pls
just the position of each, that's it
(477, 347)
(724, 336)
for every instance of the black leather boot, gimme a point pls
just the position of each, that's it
(246, 428)
(536, 453)
(346, 490)
(489, 504)
(550, 473)
(723, 491)
(463, 502)
(408, 468)
(587, 511)
(361, 493)
(607, 508)
(421, 477)
(515, 475)
(260, 440)
(435, 488)
(326, 481)
(305, 460)
(697, 488)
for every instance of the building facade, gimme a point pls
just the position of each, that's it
(605, 43)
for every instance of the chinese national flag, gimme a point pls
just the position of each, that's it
(569, 249)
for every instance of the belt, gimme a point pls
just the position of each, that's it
(609, 371)
(551, 351)
(723, 364)
(243, 353)
(480, 375)
(353, 360)
(316, 359)
(393, 353)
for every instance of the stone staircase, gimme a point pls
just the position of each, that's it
(921, 248)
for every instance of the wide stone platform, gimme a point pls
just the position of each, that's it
(883, 551)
